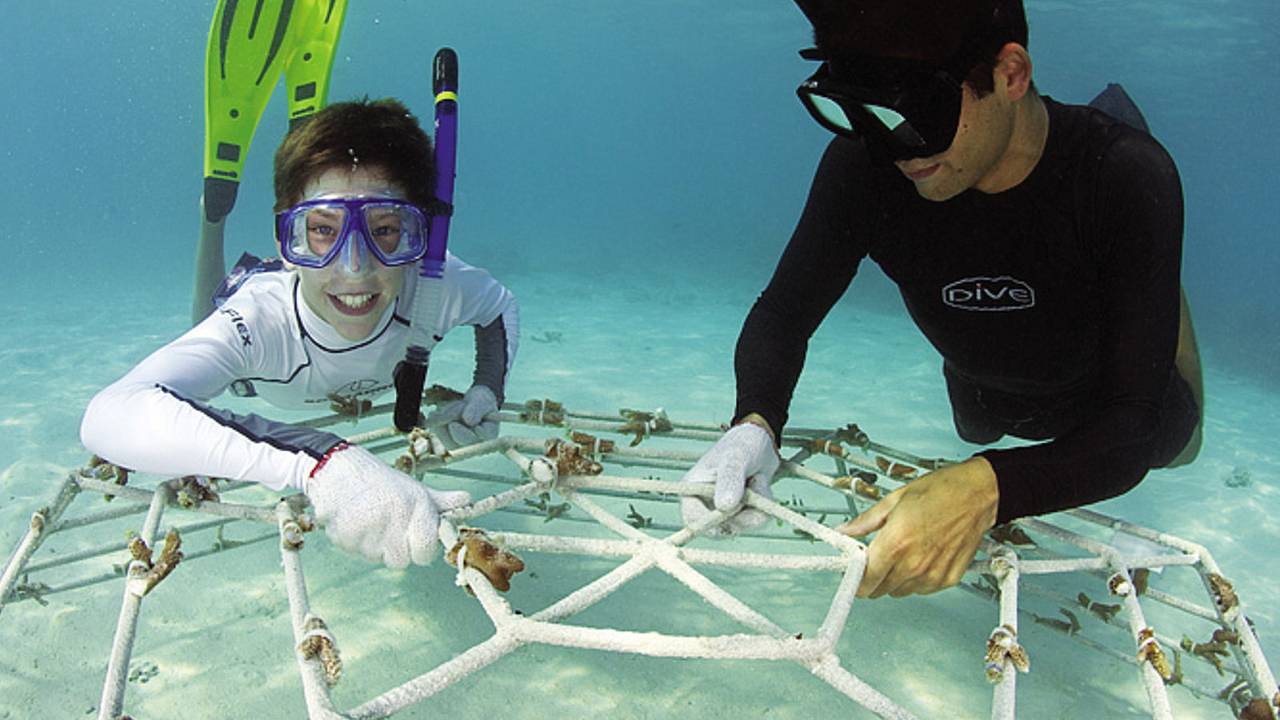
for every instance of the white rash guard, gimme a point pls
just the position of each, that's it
(156, 419)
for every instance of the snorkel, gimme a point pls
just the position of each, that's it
(425, 324)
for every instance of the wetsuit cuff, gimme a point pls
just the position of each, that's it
(1013, 483)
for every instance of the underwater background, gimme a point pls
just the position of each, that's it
(632, 172)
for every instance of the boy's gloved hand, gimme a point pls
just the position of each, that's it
(744, 457)
(463, 422)
(368, 507)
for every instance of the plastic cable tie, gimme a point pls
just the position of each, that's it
(459, 580)
(319, 631)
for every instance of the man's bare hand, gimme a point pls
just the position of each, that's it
(927, 531)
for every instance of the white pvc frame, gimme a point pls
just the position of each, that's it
(642, 551)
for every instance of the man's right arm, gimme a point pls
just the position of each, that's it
(815, 270)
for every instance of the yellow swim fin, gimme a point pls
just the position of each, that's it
(306, 74)
(251, 43)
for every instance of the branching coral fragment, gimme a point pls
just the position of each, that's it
(191, 490)
(480, 553)
(318, 642)
(866, 489)
(144, 574)
(1003, 644)
(591, 445)
(851, 434)
(423, 444)
(100, 469)
(897, 471)
(570, 459)
(1149, 651)
(1213, 651)
(543, 412)
(1141, 576)
(1224, 595)
(828, 447)
(643, 424)
(1119, 584)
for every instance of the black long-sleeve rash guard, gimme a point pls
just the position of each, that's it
(1061, 292)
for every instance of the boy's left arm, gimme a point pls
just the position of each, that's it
(475, 298)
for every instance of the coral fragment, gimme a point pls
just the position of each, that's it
(570, 459)
(317, 642)
(1149, 651)
(543, 412)
(1001, 645)
(480, 553)
(895, 470)
(643, 424)
(1224, 595)
(144, 574)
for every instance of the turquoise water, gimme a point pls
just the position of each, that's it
(631, 171)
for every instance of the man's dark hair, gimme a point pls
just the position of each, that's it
(926, 30)
(368, 133)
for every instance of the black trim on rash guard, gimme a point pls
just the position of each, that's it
(287, 380)
(1054, 304)
(281, 436)
(302, 328)
(491, 357)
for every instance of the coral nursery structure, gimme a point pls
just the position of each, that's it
(593, 470)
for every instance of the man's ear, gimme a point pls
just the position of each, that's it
(1013, 65)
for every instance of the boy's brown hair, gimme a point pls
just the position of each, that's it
(370, 133)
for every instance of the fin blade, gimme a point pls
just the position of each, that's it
(309, 66)
(249, 41)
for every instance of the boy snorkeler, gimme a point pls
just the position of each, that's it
(353, 185)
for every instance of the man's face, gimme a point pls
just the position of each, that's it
(981, 142)
(352, 298)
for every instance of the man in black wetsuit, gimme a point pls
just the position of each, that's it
(1038, 247)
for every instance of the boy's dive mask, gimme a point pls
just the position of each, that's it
(315, 232)
(901, 108)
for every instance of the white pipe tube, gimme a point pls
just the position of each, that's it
(111, 704)
(830, 670)
(315, 689)
(37, 531)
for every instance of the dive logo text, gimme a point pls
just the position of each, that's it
(989, 294)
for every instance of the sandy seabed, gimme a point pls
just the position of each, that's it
(214, 639)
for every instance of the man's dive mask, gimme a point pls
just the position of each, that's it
(315, 232)
(901, 108)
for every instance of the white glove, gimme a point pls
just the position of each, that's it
(744, 457)
(368, 507)
(463, 422)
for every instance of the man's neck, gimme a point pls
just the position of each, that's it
(1026, 145)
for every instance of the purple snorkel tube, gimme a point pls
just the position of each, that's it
(425, 330)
